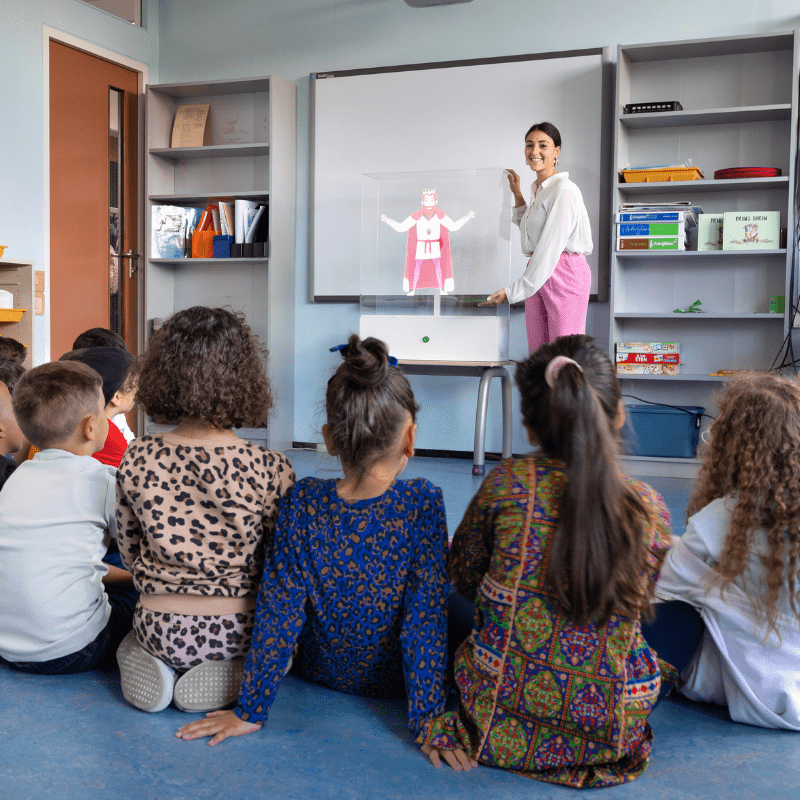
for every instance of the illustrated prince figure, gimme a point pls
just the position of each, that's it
(428, 262)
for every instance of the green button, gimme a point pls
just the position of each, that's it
(426, 338)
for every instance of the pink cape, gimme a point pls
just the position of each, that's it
(427, 273)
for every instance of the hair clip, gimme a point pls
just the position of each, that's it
(392, 361)
(338, 347)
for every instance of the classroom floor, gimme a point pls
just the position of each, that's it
(74, 736)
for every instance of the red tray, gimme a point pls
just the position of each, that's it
(747, 172)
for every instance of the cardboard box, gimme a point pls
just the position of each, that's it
(751, 230)
(648, 347)
(648, 358)
(648, 369)
(709, 231)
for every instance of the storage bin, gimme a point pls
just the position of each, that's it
(660, 175)
(663, 431)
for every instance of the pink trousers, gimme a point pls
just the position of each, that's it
(559, 307)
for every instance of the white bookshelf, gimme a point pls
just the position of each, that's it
(739, 98)
(250, 154)
(17, 277)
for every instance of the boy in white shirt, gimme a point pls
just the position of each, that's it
(57, 512)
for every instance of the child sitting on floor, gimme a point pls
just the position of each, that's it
(739, 560)
(119, 392)
(357, 576)
(57, 513)
(560, 552)
(196, 508)
(11, 437)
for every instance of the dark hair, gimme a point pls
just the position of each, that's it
(599, 550)
(112, 364)
(547, 128)
(10, 373)
(12, 350)
(49, 401)
(366, 403)
(99, 337)
(753, 457)
(205, 364)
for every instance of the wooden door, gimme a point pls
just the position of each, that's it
(84, 270)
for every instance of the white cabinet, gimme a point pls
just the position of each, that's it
(250, 153)
(739, 98)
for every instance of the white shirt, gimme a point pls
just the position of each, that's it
(555, 222)
(122, 423)
(758, 680)
(57, 512)
(428, 233)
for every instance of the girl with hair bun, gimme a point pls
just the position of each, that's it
(357, 577)
(560, 552)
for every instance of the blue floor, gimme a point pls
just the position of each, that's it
(74, 736)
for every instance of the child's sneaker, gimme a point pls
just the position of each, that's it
(209, 686)
(147, 683)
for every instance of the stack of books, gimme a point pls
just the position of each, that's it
(648, 358)
(671, 226)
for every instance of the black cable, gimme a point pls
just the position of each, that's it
(677, 408)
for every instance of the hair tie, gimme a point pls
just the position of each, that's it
(391, 360)
(554, 367)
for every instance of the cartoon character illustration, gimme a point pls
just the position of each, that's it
(751, 232)
(428, 261)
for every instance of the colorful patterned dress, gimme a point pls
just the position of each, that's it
(539, 695)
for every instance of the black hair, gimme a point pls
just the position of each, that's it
(99, 337)
(599, 551)
(367, 402)
(547, 128)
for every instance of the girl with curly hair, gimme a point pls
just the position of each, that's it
(196, 509)
(739, 560)
(560, 552)
(357, 576)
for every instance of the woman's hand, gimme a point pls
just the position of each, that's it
(514, 184)
(457, 759)
(495, 299)
(219, 724)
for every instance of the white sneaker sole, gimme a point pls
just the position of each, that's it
(209, 686)
(147, 683)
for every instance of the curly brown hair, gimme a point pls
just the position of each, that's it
(599, 551)
(753, 457)
(205, 364)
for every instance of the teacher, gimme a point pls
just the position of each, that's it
(555, 234)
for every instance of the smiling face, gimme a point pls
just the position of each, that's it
(429, 200)
(541, 154)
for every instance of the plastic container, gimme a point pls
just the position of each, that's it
(663, 431)
(658, 175)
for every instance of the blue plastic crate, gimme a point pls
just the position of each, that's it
(662, 431)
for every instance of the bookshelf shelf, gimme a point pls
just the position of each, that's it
(213, 151)
(709, 116)
(645, 285)
(251, 155)
(703, 185)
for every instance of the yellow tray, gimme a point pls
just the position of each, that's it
(666, 174)
(11, 314)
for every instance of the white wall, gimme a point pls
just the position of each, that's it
(22, 145)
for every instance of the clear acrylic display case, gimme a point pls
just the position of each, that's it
(429, 311)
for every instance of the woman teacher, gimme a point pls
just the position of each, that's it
(555, 234)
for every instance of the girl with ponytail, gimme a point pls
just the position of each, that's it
(560, 552)
(357, 575)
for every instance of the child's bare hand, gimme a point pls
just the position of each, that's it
(457, 759)
(219, 724)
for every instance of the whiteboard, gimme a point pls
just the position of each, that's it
(451, 116)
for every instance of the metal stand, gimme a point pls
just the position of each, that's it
(485, 371)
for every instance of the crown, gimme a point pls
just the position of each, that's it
(428, 191)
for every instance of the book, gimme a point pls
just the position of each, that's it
(654, 216)
(648, 347)
(751, 230)
(648, 358)
(652, 243)
(709, 231)
(650, 229)
(648, 369)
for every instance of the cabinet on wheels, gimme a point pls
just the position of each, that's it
(249, 153)
(739, 99)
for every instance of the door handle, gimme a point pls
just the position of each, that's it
(134, 261)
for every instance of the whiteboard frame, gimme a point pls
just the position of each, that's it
(601, 240)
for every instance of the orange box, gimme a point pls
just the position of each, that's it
(658, 175)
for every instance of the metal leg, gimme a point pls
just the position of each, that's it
(505, 383)
(479, 459)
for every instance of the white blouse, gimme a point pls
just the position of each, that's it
(737, 665)
(555, 222)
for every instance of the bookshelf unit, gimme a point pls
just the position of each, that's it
(17, 277)
(739, 97)
(250, 153)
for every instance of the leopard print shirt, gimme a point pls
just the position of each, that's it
(197, 520)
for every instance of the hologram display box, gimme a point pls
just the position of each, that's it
(434, 245)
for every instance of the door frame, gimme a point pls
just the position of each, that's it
(142, 70)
